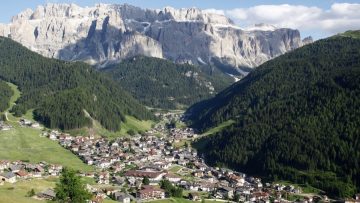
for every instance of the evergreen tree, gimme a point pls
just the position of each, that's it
(70, 189)
(146, 181)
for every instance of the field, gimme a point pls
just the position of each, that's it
(17, 192)
(179, 200)
(218, 128)
(23, 143)
(175, 168)
(27, 144)
(130, 124)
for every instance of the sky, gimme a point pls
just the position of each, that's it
(318, 18)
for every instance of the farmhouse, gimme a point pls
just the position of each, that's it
(48, 194)
(9, 177)
(150, 192)
(152, 175)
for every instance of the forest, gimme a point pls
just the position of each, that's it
(297, 118)
(163, 84)
(5, 95)
(62, 93)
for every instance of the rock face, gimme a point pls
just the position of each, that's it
(109, 33)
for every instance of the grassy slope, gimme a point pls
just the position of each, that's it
(354, 34)
(16, 193)
(135, 124)
(218, 128)
(131, 123)
(178, 200)
(27, 144)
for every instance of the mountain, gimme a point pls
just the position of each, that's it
(63, 93)
(295, 117)
(106, 34)
(160, 83)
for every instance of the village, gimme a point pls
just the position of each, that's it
(137, 166)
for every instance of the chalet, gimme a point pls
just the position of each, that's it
(119, 180)
(9, 177)
(35, 125)
(194, 196)
(235, 180)
(97, 199)
(4, 165)
(121, 197)
(15, 168)
(22, 174)
(25, 122)
(103, 178)
(173, 177)
(260, 196)
(225, 192)
(48, 194)
(308, 199)
(38, 171)
(5, 127)
(150, 192)
(198, 174)
(206, 186)
(152, 175)
(54, 170)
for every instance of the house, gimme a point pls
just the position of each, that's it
(4, 165)
(22, 174)
(121, 197)
(152, 175)
(35, 125)
(150, 192)
(9, 177)
(15, 168)
(225, 192)
(194, 196)
(173, 178)
(38, 171)
(97, 199)
(48, 194)
(103, 178)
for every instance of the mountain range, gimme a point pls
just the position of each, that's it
(108, 33)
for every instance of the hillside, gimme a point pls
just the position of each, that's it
(5, 95)
(61, 91)
(163, 84)
(296, 117)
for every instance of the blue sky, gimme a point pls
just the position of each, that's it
(322, 17)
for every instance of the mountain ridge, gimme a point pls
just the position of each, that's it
(108, 33)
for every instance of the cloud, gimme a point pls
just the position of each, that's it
(338, 18)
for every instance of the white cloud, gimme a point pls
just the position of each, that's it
(213, 10)
(338, 18)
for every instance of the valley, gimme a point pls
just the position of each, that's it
(122, 103)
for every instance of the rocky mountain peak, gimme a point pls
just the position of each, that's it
(107, 33)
